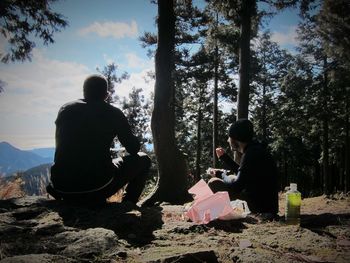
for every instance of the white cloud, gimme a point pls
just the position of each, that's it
(32, 97)
(137, 80)
(112, 29)
(108, 59)
(36, 90)
(133, 61)
(128, 61)
(286, 37)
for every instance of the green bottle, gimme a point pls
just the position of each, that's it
(293, 203)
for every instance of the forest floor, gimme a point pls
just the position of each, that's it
(37, 229)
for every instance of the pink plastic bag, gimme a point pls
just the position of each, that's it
(208, 206)
(200, 190)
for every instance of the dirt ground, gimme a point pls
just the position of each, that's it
(35, 229)
(323, 236)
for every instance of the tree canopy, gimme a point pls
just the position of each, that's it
(21, 21)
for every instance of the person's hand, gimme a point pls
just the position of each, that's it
(214, 172)
(219, 152)
(211, 172)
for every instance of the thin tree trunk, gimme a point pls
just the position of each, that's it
(172, 168)
(317, 180)
(199, 144)
(244, 59)
(347, 145)
(215, 105)
(325, 144)
(341, 166)
(285, 167)
(264, 122)
(264, 110)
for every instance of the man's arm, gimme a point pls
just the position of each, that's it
(245, 172)
(229, 162)
(125, 135)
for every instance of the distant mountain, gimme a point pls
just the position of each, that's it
(45, 152)
(13, 159)
(36, 179)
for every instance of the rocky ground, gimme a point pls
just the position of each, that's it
(37, 229)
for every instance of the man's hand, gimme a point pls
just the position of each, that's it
(219, 152)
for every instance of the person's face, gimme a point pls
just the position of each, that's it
(233, 144)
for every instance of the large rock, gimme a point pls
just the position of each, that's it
(38, 258)
(37, 229)
(87, 243)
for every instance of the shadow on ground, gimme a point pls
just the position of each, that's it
(126, 220)
(323, 220)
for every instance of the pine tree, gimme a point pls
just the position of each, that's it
(333, 25)
(194, 77)
(269, 64)
(172, 168)
(110, 73)
(312, 47)
(22, 18)
(138, 112)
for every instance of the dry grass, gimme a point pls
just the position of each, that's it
(12, 189)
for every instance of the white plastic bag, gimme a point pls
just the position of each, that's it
(239, 210)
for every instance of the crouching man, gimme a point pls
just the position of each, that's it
(83, 168)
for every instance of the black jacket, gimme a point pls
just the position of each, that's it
(84, 135)
(257, 178)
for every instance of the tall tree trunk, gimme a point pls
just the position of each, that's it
(172, 167)
(264, 122)
(347, 144)
(317, 180)
(215, 105)
(285, 179)
(341, 167)
(325, 144)
(244, 59)
(199, 143)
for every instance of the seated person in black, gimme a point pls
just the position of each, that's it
(83, 168)
(256, 181)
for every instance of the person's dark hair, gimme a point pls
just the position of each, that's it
(95, 88)
(242, 130)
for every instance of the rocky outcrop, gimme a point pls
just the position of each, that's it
(44, 230)
(37, 229)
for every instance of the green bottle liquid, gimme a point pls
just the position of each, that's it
(293, 203)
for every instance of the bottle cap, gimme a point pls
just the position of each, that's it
(293, 187)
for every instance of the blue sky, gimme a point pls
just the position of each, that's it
(99, 32)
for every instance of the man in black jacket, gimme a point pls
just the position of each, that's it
(256, 180)
(83, 168)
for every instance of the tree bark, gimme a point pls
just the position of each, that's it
(199, 143)
(325, 144)
(215, 105)
(244, 59)
(172, 167)
(347, 145)
(264, 114)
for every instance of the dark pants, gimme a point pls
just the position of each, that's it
(255, 205)
(131, 170)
